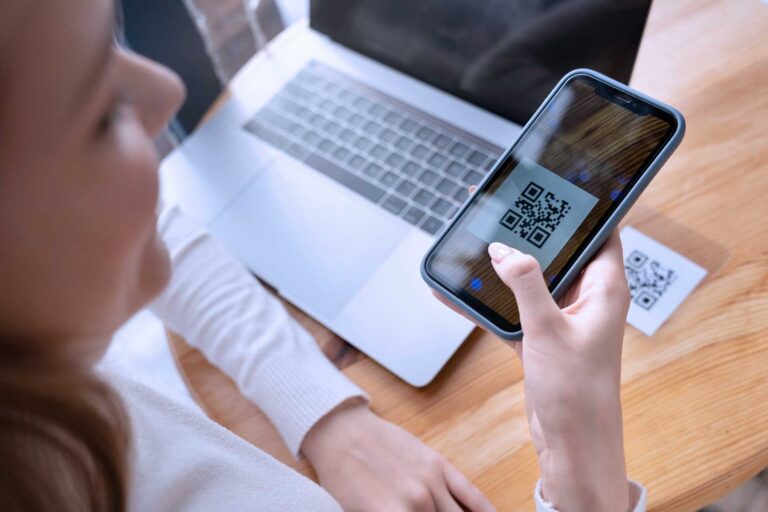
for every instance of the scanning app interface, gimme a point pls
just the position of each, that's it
(534, 210)
(550, 194)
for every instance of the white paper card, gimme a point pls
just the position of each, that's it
(659, 280)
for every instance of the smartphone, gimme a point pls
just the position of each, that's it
(577, 167)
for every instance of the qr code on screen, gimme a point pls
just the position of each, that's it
(535, 215)
(648, 280)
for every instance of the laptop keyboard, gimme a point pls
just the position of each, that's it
(409, 163)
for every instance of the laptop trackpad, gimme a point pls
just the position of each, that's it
(316, 243)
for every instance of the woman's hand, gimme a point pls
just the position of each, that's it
(571, 355)
(369, 464)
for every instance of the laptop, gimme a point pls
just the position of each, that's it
(350, 143)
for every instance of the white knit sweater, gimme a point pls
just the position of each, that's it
(181, 460)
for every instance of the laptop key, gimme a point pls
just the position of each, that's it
(363, 143)
(357, 162)
(315, 100)
(432, 225)
(420, 151)
(477, 158)
(378, 151)
(392, 117)
(332, 127)
(327, 146)
(437, 160)
(298, 152)
(361, 103)
(491, 163)
(425, 133)
(346, 95)
(388, 135)
(405, 188)
(293, 89)
(472, 178)
(317, 120)
(455, 169)
(312, 138)
(447, 186)
(298, 132)
(287, 105)
(413, 215)
(408, 125)
(461, 195)
(441, 207)
(377, 110)
(411, 169)
(303, 113)
(326, 105)
(347, 135)
(423, 197)
(372, 127)
(459, 149)
(344, 177)
(341, 154)
(388, 179)
(373, 170)
(442, 141)
(428, 177)
(403, 143)
(342, 112)
(393, 204)
(395, 160)
(357, 120)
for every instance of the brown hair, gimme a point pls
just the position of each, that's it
(63, 441)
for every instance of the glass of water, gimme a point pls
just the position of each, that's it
(231, 31)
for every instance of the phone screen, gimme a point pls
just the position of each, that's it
(552, 192)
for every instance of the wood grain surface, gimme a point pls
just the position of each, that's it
(696, 394)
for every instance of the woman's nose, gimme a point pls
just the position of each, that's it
(158, 93)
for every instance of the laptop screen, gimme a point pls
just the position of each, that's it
(502, 55)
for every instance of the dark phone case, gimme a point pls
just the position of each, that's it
(605, 230)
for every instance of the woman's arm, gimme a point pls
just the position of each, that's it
(571, 355)
(572, 362)
(222, 310)
(366, 463)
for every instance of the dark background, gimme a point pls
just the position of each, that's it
(164, 31)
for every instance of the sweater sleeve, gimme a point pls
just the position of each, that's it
(639, 497)
(219, 308)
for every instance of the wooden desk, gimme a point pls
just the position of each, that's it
(695, 395)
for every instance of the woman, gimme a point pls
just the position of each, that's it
(81, 253)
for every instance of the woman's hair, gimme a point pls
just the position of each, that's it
(63, 441)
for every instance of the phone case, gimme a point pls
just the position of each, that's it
(605, 230)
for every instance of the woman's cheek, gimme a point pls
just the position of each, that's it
(141, 163)
(148, 261)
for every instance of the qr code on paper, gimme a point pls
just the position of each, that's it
(536, 214)
(648, 279)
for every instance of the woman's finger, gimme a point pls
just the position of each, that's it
(465, 492)
(606, 273)
(522, 273)
(444, 502)
(608, 263)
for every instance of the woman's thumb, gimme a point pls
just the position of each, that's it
(522, 273)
